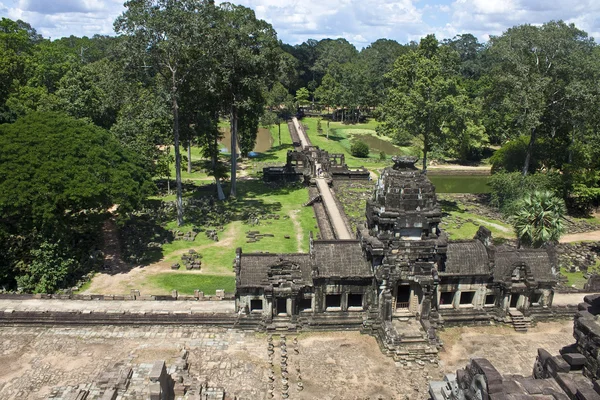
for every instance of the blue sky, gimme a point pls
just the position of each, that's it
(359, 21)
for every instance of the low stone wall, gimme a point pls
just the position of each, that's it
(118, 317)
(135, 295)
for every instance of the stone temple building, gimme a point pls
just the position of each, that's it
(401, 278)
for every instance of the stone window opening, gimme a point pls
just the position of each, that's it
(256, 305)
(355, 302)
(305, 304)
(333, 302)
(466, 299)
(446, 299)
(490, 300)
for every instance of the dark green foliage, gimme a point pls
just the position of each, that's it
(57, 176)
(508, 188)
(382, 156)
(511, 156)
(359, 149)
(141, 235)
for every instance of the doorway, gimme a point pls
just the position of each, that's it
(514, 300)
(281, 306)
(403, 297)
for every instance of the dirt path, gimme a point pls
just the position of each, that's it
(111, 247)
(593, 236)
(497, 226)
(298, 228)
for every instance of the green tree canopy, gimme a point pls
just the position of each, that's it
(53, 166)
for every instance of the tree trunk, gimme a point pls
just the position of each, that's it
(179, 201)
(233, 128)
(189, 158)
(529, 151)
(571, 146)
(425, 151)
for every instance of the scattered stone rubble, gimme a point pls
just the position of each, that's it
(145, 381)
(573, 374)
(191, 260)
(255, 236)
(187, 236)
(578, 256)
(212, 234)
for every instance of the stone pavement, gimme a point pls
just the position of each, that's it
(38, 361)
(568, 299)
(304, 142)
(224, 306)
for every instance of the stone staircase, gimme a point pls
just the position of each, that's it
(312, 201)
(281, 324)
(519, 322)
(405, 341)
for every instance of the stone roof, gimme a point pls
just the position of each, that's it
(538, 263)
(258, 270)
(467, 258)
(340, 258)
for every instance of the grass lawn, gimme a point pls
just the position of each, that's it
(574, 278)
(187, 283)
(340, 141)
(461, 224)
(294, 221)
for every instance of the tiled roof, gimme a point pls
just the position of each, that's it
(341, 258)
(257, 269)
(538, 261)
(467, 258)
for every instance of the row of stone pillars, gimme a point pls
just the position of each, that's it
(285, 385)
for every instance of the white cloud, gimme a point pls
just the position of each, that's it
(485, 18)
(360, 21)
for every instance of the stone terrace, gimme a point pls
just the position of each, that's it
(37, 361)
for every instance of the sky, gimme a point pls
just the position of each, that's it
(361, 22)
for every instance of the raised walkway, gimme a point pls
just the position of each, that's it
(340, 229)
(115, 306)
(336, 219)
(304, 141)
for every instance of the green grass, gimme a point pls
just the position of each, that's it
(461, 224)
(574, 278)
(187, 283)
(218, 257)
(340, 141)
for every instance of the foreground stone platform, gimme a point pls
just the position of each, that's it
(36, 362)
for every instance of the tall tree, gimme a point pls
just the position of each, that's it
(420, 100)
(249, 62)
(532, 70)
(171, 37)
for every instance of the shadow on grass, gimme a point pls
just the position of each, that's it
(271, 155)
(449, 206)
(143, 232)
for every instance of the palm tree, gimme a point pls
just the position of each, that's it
(539, 219)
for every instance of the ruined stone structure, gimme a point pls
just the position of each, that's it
(571, 375)
(401, 278)
(307, 161)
